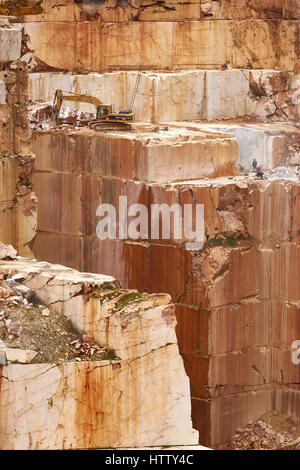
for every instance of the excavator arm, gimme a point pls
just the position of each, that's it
(105, 117)
(60, 97)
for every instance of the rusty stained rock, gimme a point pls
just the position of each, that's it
(166, 45)
(243, 282)
(18, 203)
(102, 403)
(98, 405)
(140, 155)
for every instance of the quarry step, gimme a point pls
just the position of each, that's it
(142, 154)
(174, 10)
(271, 144)
(164, 44)
(267, 95)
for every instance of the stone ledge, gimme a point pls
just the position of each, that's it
(77, 405)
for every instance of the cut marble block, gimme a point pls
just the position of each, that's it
(226, 93)
(145, 154)
(271, 144)
(10, 44)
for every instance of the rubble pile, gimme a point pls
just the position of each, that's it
(31, 332)
(273, 431)
(40, 117)
(285, 172)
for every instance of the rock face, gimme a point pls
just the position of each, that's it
(157, 45)
(243, 282)
(97, 404)
(155, 156)
(264, 95)
(219, 88)
(18, 203)
(272, 145)
(62, 408)
(173, 10)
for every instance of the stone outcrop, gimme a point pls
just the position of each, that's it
(96, 404)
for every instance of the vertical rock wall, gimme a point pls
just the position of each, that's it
(18, 204)
(236, 300)
(165, 35)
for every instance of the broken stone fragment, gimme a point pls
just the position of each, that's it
(46, 312)
(24, 356)
(7, 251)
(19, 288)
(2, 353)
(88, 338)
(205, 7)
(7, 322)
(2, 357)
(18, 277)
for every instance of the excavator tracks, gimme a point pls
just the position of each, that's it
(109, 126)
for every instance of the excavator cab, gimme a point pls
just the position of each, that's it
(103, 110)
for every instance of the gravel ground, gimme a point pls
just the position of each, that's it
(27, 325)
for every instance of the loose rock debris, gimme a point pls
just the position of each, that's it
(273, 431)
(32, 332)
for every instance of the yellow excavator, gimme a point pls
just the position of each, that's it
(106, 119)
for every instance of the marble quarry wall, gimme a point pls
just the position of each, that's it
(263, 95)
(125, 40)
(131, 401)
(219, 87)
(18, 204)
(237, 300)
